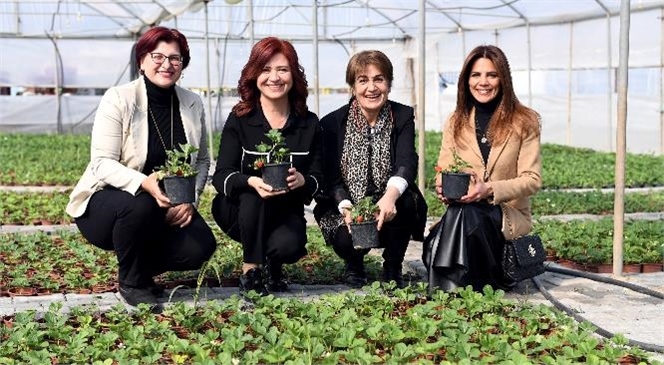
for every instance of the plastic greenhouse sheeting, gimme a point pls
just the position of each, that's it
(558, 50)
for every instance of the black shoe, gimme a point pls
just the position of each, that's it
(276, 280)
(393, 273)
(156, 289)
(354, 275)
(135, 296)
(253, 280)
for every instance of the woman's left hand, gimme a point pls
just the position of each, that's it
(478, 191)
(180, 215)
(387, 206)
(294, 179)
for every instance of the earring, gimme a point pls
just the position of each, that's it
(141, 72)
(181, 75)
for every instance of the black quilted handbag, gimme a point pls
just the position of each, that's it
(523, 258)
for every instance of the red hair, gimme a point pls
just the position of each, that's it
(150, 39)
(260, 55)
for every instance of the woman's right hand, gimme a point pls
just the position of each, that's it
(439, 189)
(347, 216)
(263, 189)
(151, 185)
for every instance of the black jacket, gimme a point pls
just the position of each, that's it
(403, 159)
(241, 134)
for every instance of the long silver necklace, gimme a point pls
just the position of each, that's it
(154, 121)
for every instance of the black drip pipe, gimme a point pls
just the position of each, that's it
(595, 277)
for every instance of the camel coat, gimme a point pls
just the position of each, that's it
(513, 170)
(120, 139)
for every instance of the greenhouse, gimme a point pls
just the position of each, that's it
(563, 54)
(592, 69)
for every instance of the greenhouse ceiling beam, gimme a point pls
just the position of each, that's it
(440, 10)
(390, 20)
(112, 19)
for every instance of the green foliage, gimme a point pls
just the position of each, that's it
(457, 165)
(464, 327)
(178, 162)
(276, 150)
(587, 241)
(29, 160)
(364, 210)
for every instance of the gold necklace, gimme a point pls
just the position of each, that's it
(154, 121)
(480, 133)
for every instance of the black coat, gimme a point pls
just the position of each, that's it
(403, 160)
(241, 134)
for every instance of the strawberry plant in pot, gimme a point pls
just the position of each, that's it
(455, 181)
(364, 226)
(178, 176)
(275, 161)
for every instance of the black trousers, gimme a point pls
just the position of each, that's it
(265, 228)
(394, 235)
(145, 245)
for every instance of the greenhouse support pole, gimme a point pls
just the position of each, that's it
(530, 67)
(421, 96)
(314, 16)
(209, 91)
(661, 86)
(609, 111)
(619, 198)
(568, 132)
(250, 14)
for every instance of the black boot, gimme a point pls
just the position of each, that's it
(135, 296)
(276, 279)
(393, 255)
(253, 280)
(393, 272)
(354, 274)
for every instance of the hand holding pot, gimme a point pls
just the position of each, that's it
(151, 185)
(180, 215)
(264, 190)
(295, 179)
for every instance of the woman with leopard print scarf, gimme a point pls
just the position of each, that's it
(369, 148)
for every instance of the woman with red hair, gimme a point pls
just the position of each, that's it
(269, 223)
(118, 204)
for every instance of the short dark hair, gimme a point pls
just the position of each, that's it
(361, 60)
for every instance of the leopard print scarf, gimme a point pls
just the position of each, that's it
(365, 152)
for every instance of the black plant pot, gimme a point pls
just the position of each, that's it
(365, 234)
(180, 189)
(455, 185)
(275, 174)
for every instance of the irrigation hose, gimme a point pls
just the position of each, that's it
(595, 277)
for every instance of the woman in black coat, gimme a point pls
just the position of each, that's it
(369, 147)
(269, 223)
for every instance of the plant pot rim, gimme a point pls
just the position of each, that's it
(364, 223)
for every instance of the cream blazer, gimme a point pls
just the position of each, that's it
(119, 142)
(513, 170)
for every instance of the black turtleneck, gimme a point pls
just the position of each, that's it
(160, 103)
(483, 114)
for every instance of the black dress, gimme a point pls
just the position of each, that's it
(466, 246)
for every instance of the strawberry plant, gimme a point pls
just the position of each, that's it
(178, 162)
(274, 152)
(457, 165)
(364, 210)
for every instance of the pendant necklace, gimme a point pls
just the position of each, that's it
(480, 134)
(154, 121)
